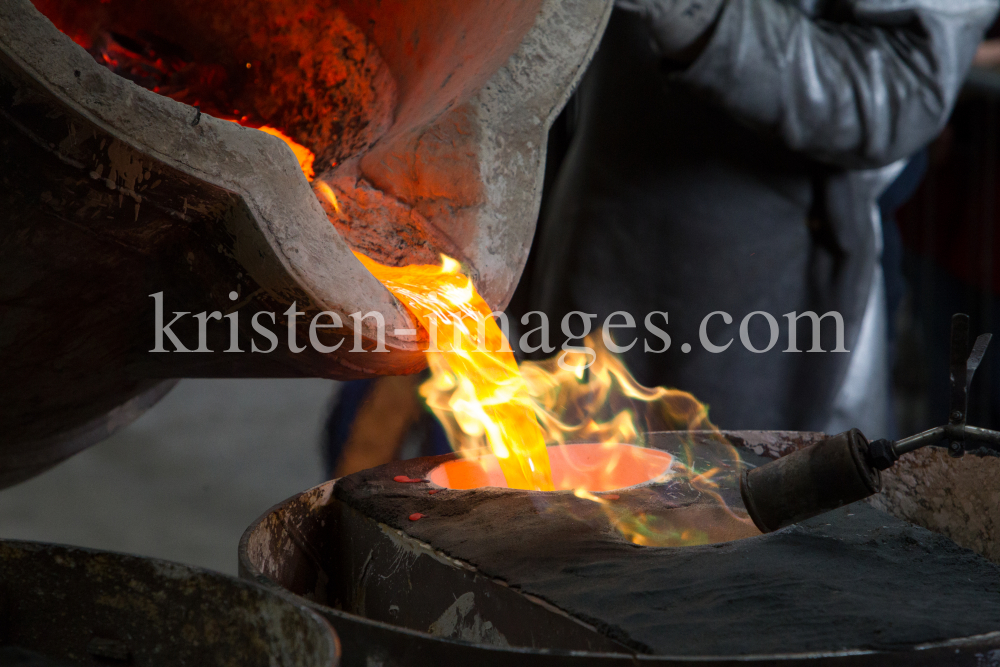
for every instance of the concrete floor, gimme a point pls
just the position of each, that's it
(183, 481)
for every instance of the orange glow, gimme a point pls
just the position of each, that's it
(305, 156)
(475, 378)
(487, 403)
(593, 467)
(302, 154)
(326, 192)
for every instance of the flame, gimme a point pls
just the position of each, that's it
(485, 400)
(475, 379)
(589, 396)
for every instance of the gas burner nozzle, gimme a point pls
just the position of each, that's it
(845, 468)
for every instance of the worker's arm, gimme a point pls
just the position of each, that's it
(864, 90)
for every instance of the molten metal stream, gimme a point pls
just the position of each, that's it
(474, 362)
(474, 359)
(479, 392)
(481, 396)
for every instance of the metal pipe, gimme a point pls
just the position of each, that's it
(915, 442)
(957, 433)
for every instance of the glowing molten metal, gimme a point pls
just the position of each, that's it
(474, 368)
(484, 400)
(593, 467)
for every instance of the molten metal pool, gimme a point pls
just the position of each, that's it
(591, 467)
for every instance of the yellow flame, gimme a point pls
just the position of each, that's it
(484, 400)
(475, 378)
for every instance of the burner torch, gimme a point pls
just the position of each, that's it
(846, 468)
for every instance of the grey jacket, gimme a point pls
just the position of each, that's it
(747, 182)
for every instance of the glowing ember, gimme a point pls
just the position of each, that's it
(403, 479)
(166, 68)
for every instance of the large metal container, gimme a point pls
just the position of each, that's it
(72, 606)
(349, 568)
(429, 119)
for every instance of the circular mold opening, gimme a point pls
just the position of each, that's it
(594, 467)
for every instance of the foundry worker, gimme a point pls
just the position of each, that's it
(728, 156)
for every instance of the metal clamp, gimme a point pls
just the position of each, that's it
(963, 367)
(883, 453)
